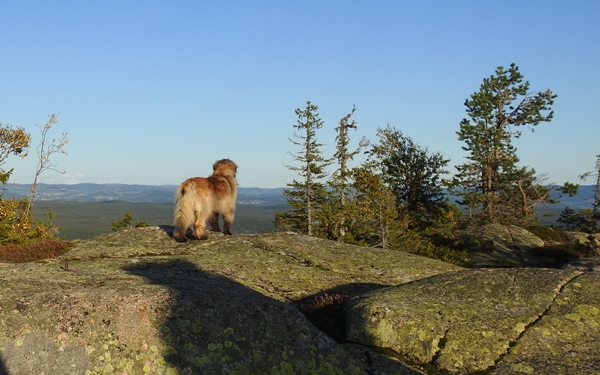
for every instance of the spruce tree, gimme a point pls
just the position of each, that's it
(568, 218)
(306, 196)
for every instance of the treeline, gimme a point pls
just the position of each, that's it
(394, 198)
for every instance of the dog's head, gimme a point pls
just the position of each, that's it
(225, 167)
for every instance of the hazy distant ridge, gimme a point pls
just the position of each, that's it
(164, 194)
(88, 192)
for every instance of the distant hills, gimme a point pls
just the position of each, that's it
(87, 210)
(584, 199)
(88, 192)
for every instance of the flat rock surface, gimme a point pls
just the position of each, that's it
(137, 302)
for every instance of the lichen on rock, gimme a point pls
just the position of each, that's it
(477, 320)
(137, 302)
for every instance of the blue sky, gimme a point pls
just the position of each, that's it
(153, 92)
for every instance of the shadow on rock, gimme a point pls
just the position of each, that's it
(326, 310)
(216, 325)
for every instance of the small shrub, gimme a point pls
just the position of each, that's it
(18, 228)
(31, 251)
(434, 246)
(127, 223)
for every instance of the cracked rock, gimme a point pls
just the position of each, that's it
(485, 320)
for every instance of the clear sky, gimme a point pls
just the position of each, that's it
(153, 92)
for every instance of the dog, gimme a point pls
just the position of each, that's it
(200, 199)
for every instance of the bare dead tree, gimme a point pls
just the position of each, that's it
(45, 150)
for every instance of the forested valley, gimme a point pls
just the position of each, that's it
(81, 220)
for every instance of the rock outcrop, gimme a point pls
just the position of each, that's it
(497, 321)
(591, 241)
(509, 246)
(137, 302)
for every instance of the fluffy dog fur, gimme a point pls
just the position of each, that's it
(203, 198)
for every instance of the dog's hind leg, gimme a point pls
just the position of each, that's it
(201, 217)
(214, 222)
(227, 219)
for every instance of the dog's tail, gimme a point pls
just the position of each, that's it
(185, 198)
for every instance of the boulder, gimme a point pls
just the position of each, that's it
(591, 241)
(510, 246)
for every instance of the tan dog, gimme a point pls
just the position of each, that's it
(203, 198)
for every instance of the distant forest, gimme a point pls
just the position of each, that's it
(82, 220)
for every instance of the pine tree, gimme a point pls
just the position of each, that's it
(306, 196)
(491, 185)
(373, 207)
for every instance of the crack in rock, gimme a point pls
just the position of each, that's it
(514, 342)
(440, 347)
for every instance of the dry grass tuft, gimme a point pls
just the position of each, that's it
(31, 251)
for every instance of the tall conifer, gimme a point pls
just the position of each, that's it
(306, 196)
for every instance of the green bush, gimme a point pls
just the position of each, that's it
(416, 243)
(445, 254)
(16, 227)
(127, 223)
